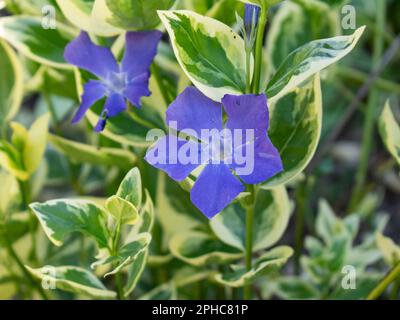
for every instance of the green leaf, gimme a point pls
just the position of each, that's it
(327, 226)
(309, 60)
(130, 188)
(389, 250)
(35, 145)
(14, 229)
(59, 218)
(175, 211)
(122, 210)
(166, 291)
(11, 160)
(136, 14)
(8, 191)
(127, 254)
(296, 288)
(11, 84)
(28, 36)
(147, 215)
(269, 261)
(295, 130)
(74, 279)
(365, 283)
(122, 129)
(84, 14)
(294, 25)
(211, 54)
(271, 217)
(390, 132)
(84, 153)
(27, 7)
(135, 270)
(199, 248)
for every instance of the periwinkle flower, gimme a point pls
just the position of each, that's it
(117, 82)
(224, 173)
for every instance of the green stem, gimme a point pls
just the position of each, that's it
(395, 290)
(25, 194)
(262, 22)
(27, 274)
(361, 77)
(249, 238)
(155, 70)
(301, 196)
(248, 71)
(120, 288)
(26, 199)
(371, 112)
(385, 282)
(118, 280)
(3, 131)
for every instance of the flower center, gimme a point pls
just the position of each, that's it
(219, 148)
(116, 82)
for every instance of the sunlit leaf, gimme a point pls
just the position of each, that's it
(74, 279)
(308, 60)
(295, 130)
(45, 46)
(198, 248)
(271, 260)
(82, 14)
(271, 216)
(390, 132)
(11, 84)
(136, 14)
(122, 210)
(211, 54)
(60, 218)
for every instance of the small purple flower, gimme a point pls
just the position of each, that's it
(251, 15)
(118, 82)
(222, 178)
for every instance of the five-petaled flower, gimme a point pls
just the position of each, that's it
(221, 180)
(117, 82)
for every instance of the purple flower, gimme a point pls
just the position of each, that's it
(222, 178)
(117, 82)
(251, 15)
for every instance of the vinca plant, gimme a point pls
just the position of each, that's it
(199, 149)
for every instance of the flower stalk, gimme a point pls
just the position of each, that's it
(262, 22)
(249, 238)
(385, 282)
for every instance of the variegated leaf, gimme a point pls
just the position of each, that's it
(295, 129)
(308, 60)
(390, 132)
(73, 279)
(211, 54)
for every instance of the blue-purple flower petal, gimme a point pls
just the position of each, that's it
(193, 110)
(137, 89)
(247, 112)
(265, 163)
(141, 48)
(92, 92)
(114, 105)
(164, 156)
(83, 53)
(100, 124)
(214, 189)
